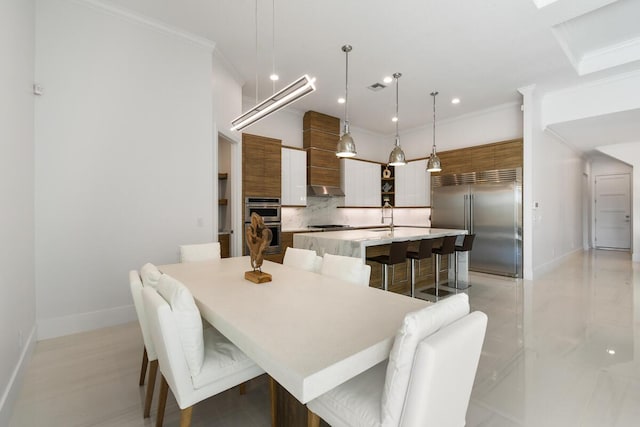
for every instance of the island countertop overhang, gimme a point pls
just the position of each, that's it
(354, 242)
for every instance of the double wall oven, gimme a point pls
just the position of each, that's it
(269, 208)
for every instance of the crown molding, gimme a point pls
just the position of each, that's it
(157, 25)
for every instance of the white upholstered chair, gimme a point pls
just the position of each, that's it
(346, 268)
(317, 264)
(150, 276)
(195, 363)
(427, 380)
(303, 259)
(199, 252)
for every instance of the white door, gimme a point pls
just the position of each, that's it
(613, 211)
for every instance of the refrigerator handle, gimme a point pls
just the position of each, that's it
(471, 231)
(466, 211)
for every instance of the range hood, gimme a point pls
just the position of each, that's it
(324, 191)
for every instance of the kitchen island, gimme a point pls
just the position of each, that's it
(354, 243)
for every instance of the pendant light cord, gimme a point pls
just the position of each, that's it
(346, 86)
(433, 149)
(397, 116)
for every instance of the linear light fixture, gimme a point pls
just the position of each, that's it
(296, 90)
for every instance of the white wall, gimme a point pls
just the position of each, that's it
(17, 303)
(227, 89)
(630, 153)
(557, 189)
(285, 125)
(123, 158)
(227, 93)
(500, 123)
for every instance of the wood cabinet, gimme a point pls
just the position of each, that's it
(294, 177)
(320, 136)
(224, 240)
(360, 183)
(261, 166)
(499, 155)
(412, 185)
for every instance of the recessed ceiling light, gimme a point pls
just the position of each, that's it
(455, 101)
(394, 119)
(274, 77)
(341, 100)
(611, 351)
(387, 79)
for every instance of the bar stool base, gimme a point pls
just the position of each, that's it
(460, 285)
(439, 293)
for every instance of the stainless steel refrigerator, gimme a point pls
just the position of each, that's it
(489, 205)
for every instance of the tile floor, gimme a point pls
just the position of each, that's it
(563, 350)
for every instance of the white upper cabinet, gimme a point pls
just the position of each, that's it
(361, 183)
(413, 184)
(294, 177)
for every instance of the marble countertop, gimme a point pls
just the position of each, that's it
(382, 236)
(354, 227)
(354, 242)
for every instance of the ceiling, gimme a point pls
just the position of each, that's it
(479, 51)
(606, 129)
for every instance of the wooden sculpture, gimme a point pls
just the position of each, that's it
(258, 238)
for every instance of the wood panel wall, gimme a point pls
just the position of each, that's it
(261, 166)
(320, 136)
(499, 155)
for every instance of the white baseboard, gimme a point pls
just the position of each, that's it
(72, 324)
(547, 267)
(10, 394)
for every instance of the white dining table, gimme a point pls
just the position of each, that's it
(309, 332)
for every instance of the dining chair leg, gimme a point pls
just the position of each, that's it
(313, 420)
(243, 388)
(185, 416)
(151, 384)
(162, 401)
(273, 394)
(143, 369)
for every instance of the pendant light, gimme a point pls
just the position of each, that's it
(396, 158)
(346, 147)
(433, 164)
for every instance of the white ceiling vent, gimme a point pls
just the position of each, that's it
(376, 87)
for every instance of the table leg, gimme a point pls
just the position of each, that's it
(273, 393)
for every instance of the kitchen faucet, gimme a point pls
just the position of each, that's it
(389, 208)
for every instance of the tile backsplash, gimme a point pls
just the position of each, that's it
(324, 210)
